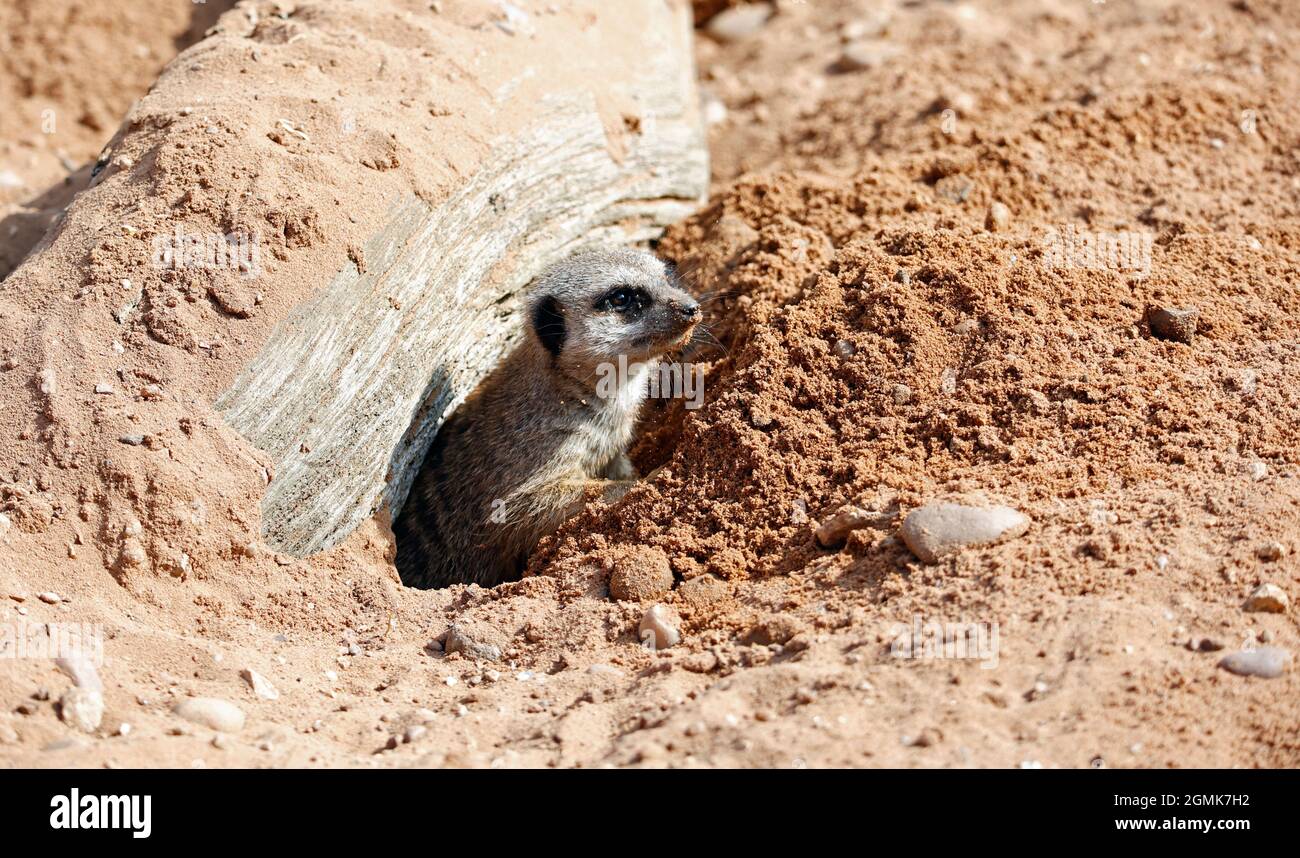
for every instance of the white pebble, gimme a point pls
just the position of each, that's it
(82, 708)
(736, 23)
(221, 715)
(936, 530)
(659, 628)
(261, 686)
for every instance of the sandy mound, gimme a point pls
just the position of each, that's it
(936, 260)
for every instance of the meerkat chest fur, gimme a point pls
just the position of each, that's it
(612, 414)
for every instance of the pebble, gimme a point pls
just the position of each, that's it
(642, 577)
(221, 715)
(902, 394)
(1173, 323)
(1267, 662)
(998, 218)
(937, 530)
(833, 532)
(660, 626)
(1267, 598)
(49, 598)
(261, 686)
(1257, 470)
(460, 640)
(82, 670)
(867, 54)
(739, 22)
(1204, 645)
(133, 440)
(104, 389)
(82, 708)
(413, 733)
(1271, 552)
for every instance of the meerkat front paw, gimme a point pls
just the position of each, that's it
(613, 490)
(620, 468)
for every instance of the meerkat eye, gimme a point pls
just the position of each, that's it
(624, 299)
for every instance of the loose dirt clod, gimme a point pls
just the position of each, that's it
(641, 574)
(833, 531)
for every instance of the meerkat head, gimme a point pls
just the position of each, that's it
(598, 305)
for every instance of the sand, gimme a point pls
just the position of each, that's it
(906, 305)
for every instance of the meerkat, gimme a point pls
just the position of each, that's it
(546, 431)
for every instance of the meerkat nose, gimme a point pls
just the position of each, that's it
(689, 310)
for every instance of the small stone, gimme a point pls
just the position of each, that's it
(1257, 471)
(902, 394)
(135, 440)
(82, 708)
(998, 218)
(1271, 552)
(867, 54)
(833, 532)
(221, 715)
(261, 686)
(739, 22)
(1173, 323)
(1267, 598)
(49, 598)
(927, 738)
(104, 389)
(641, 575)
(659, 627)
(1267, 662)
(82, 671)
(413, 733)
(1204, 645)
(462, 640)
(936, 530)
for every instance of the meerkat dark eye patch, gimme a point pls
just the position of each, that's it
(625, 299)
(548, 324)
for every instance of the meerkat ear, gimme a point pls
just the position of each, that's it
(548, 324)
